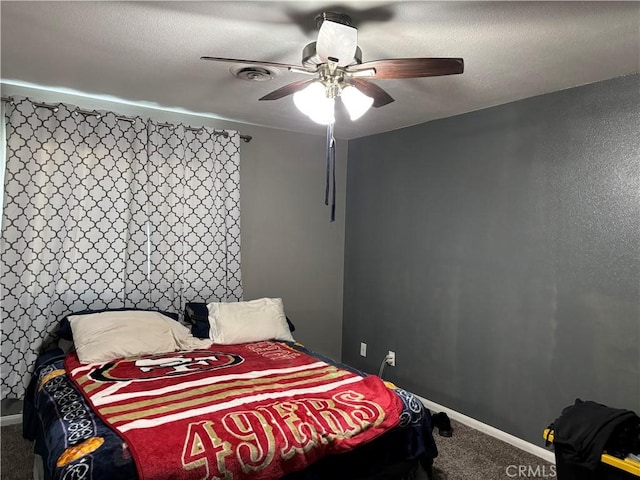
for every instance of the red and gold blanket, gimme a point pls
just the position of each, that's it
(257, 410)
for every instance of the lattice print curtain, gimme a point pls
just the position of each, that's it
(102, 212)
(194, 215)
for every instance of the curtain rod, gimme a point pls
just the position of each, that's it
(245, 138)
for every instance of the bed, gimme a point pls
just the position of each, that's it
(261, 409)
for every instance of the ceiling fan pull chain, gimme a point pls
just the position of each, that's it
(332, 149)
(328, 172)
(333, 200)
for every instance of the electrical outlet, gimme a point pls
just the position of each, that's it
(391, 358)
(363, 349)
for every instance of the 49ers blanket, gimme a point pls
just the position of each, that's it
(257, 410)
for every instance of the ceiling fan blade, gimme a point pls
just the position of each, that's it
(380, 96)
(410, 67)
(337, 41)
(287, 89)
(252, 62)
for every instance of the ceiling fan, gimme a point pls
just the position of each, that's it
(335, 62)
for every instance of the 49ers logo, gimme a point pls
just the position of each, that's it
(171, 365)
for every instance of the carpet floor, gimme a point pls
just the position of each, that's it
(472, 455)
(467, 455)
(16, 462)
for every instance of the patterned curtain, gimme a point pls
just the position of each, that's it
(106, 212)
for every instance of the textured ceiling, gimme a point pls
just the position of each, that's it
(149, 51)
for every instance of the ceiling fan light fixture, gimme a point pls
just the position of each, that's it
(314, 103)
(324, 112)
(356, 102)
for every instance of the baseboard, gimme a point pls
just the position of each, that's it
(11, 419)
(491, 431)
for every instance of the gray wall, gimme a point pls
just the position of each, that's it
(289, 247)
(497, 253)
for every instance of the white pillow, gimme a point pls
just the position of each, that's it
(104, 336)
(253, 321)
